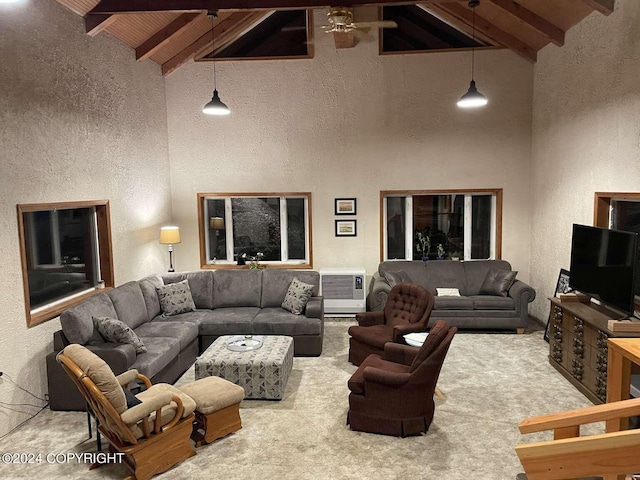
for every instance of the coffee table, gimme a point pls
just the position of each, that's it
(263, 373)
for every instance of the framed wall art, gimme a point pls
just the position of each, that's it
(346, 228)
(345, 206)
(562, 286)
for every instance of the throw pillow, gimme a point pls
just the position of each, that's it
(447, 292)
(175, 298)
(132, 400)
(297, 296)
(497, 282)
(394, 278)
(116, 331)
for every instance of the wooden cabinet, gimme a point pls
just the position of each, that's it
(578, 337)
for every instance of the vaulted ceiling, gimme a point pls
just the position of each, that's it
(174, 32)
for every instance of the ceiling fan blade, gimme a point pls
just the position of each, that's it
(378, 24)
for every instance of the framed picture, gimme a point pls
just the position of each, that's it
(345, 206)
(346, 228)
(562, 286)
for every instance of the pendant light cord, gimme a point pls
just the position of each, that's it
(213, 50)
(473, 44)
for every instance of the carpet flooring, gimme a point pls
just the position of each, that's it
(491, 382)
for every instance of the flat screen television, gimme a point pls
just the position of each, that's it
(603, 264)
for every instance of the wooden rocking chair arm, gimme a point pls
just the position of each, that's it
(146, 408)
(581, 416)
(177, 417)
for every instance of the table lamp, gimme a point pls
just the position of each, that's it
(170, 236)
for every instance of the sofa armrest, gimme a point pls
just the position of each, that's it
(522, 294)
(367, 319)
(378, 293)
(399, 331)
(315, 308)
(119, 356)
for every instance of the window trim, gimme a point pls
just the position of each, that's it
(496, 192)
(201, 198)
(105, 258)
(602, 205)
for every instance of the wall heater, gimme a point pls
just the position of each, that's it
(343, 290)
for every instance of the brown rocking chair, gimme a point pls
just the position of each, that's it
(153, 436)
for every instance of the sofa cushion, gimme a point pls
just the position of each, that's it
(228, 321)
(77, 321)
(200, 283)
(160, 352)
(116, 331)
(148, 287)
(497, 282)
(492, 302)
(444, 274)
(237, 288)
(394, 278)
(175, 298)
(276, 321)
(129, 304)
(453, 303)
(297, 296)
(185, 332)
(275, 283)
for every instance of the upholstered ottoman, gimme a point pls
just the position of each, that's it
(263, 373)
(217, 408)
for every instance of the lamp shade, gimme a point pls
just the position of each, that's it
(216, 223)
(169, 235)
(473, 98)
(215, 106)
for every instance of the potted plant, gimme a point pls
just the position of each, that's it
(424, 244)
(455, 256)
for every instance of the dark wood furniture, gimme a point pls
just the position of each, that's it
(578, 344)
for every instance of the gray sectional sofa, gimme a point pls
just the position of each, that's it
(228, 302)
(470, 310)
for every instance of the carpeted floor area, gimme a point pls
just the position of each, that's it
(491, 382)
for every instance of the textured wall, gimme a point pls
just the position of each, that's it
(586, 127)
(79, 120)
(349, 123)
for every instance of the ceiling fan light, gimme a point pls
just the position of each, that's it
(215, 106)
(473, 98)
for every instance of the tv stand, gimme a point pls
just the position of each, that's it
(578, 337)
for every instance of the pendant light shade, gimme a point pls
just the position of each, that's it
(215, 105)
(473, 98)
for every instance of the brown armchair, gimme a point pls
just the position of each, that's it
(153, 435)
(407, 310)
(394, 395)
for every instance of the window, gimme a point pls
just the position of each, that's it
(66, 255)
(441, 224)
(278, 225)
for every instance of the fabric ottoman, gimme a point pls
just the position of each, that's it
(263, 373)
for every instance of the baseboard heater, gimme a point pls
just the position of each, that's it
(343, 290)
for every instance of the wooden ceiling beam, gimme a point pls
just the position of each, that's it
(137, 6)
(464, 14)
(164, 36)
(226, 31)
(549, 30)
(603, 6)
(94, 24)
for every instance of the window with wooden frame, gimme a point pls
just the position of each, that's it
(66, 255)
(430, 224)
(272, 227)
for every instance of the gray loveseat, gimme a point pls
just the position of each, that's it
(228, 302)
(471, 310)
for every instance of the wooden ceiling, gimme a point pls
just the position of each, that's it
(173, 32)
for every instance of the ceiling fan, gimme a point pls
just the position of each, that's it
(341, 21)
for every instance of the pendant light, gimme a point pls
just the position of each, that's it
(473, 98)
(215, 106)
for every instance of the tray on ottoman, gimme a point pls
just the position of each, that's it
(263, 373)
